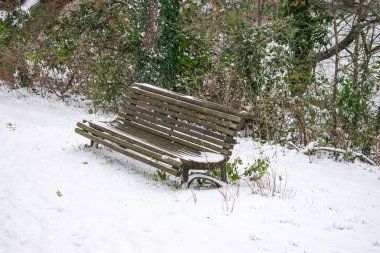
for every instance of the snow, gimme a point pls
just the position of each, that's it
(195, 175)
(110, 203)
(28, 4)
(165, 157)
(3, 14)
(205, 157)
(310, 148)
(170, 92)
(190, 97)
(376, 99)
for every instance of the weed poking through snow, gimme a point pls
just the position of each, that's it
(254, 238)
(229, 195)
(193, 196)
(264, 180)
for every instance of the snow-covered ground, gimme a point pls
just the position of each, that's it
(108, 203)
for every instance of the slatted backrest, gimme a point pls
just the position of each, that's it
(193, 122)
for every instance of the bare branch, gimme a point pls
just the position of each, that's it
(375, 49)
(344, 43)
(119, 2)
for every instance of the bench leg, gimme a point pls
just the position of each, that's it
(185, 175)
(94, 144)
(223, 172)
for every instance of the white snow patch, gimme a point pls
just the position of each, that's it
(165, 157)
(205, 157)
(3, 14)
(28, 4)
(190, 97)
(310, 147)
(376, 100)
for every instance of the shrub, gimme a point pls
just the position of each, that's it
(257, 170)
(232, 170)
(160, 176)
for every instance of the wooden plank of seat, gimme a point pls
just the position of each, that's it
(146, 140)
(146, 160)
(172, 135)
(185, 156)
(190, 158)
(136, 127)
(176, 148)
(225, 151)
(134, 139)
(133, 147)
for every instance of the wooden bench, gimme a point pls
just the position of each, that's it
(169, 131)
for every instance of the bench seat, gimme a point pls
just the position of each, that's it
(141, 139)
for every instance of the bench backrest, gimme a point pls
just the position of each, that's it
(193, 122)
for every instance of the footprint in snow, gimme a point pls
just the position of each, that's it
(78, 239)
(11, 126)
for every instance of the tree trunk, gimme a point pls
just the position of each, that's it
(151, 24)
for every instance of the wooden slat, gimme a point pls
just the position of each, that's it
(162, 110)
(205, 124)
(182, 152)
(192, 100)
(178, 138)
(157, 140)
(175, 136)
(130, 138)
(151, 141)
(172, 130)
(177, 122)
(149, 161)
(170, 138)
(203, 137)
(178, 109)
(188, 105)
(133, 147)
(134, 139)
(184, 156)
